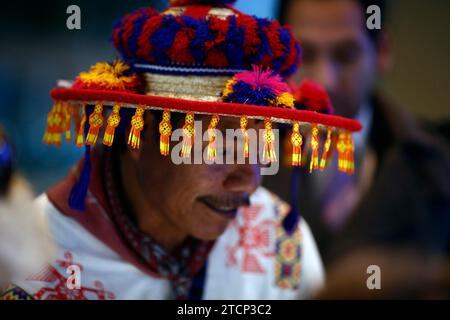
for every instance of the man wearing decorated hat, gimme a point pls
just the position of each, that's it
(138, 224)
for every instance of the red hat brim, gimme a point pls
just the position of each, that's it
(276, 114)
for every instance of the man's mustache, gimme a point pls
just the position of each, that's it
(228, 200)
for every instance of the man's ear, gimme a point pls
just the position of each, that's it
(384, 52)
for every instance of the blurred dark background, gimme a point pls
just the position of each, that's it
(37, 49)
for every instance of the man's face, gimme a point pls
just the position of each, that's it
(337, 51)
(199, 200)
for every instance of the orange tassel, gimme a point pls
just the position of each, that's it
(244, 123)
(326, 149)
(48, 135)
(75, 114)
(269, 142)
(67, 118)
(342, 148)
(52, 135)
(349, 157)
(165, 130)
(80, 135)
(58, 124)
(113, 121)
(95, 123)
(212, 151)
(137, 124)
(297, 141)
(287, 150)
(188, 135)
(314, 164)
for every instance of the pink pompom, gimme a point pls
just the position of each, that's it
(259, 78)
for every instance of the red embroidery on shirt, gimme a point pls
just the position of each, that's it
(254, 240)
(58, 290)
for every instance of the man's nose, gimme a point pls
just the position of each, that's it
(243, 178)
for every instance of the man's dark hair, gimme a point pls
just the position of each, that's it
(373, 34)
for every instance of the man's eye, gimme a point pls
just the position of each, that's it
(346, 55)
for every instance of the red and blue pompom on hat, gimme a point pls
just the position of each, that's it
(204, 37)
(309, 95)
(201, 56)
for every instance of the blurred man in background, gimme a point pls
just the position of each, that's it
(400, 193)
(24, 243)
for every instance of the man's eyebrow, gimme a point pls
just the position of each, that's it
(347, 41)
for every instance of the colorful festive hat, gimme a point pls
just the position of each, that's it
(196, 57)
